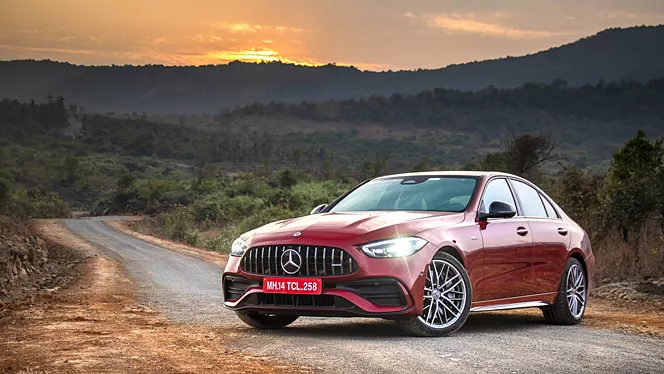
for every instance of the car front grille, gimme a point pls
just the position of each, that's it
(315, 261)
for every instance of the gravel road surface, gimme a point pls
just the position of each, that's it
(187, 289)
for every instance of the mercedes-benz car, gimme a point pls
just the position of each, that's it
(423, 249)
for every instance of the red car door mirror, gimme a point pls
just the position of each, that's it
(497, 209)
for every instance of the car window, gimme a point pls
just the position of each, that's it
(531, 204)
(497, 190)
(419, 193)
(550, 211)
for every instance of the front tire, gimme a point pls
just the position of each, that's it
(266, 321)
(570, 303)
(447, 298)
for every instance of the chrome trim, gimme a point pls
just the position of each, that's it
(527, 304)
(269, 256)
(250, 268)
(308, 260)
(324, 268)
(262, 258)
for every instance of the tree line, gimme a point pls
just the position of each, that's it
(611, 100)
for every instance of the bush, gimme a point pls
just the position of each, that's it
(210, 209)
(233, 206)
(223, 241)
(47, 204)
(306, 196)
(180, 225)
(23, 204)
(622, 211)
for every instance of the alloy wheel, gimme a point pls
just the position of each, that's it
(576, 291)
(444, 295)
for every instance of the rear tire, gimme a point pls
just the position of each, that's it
(570, 304)
(266, 321)
(447, 289)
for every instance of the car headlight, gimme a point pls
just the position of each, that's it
(399, 247)
(238, 247)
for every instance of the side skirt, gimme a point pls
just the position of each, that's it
(527, 304)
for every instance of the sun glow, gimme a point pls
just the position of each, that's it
(256, 55)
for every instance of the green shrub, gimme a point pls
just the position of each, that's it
(224, 240)
(250, 185)
(235, 206)
(47, 204)
(240, 207)
(306, 196)
(180, 225)
(22, 204)
(211, 208)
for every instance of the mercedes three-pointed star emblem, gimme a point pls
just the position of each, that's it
(291, 261)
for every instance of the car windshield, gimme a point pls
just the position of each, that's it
(420, 193)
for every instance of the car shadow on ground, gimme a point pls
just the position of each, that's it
(481, 323)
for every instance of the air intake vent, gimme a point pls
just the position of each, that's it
(235, 287)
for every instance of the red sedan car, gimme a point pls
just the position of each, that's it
(424, 249)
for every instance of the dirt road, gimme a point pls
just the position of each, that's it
(187, 289)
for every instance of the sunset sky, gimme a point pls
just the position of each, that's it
(369, 34)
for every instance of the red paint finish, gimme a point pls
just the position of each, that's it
(508, 259)
(504, 264)
(550, 253)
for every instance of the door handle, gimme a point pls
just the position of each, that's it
(522, 231)
(562, 231)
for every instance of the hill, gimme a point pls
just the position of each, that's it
(83, 155)
(635, 54)
(450, 126)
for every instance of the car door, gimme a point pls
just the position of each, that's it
(550, 236)
(508, 247)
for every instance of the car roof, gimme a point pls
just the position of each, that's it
(450, 173)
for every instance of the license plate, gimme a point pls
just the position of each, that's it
(294, 286)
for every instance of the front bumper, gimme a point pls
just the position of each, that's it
(381, 287)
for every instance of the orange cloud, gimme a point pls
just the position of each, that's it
(248, 28)
(616, 14)
(242, 27)
(454, 23)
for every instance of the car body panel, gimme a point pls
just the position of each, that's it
(550, 253)
(466, 240)
(374, 225)
(508, 259)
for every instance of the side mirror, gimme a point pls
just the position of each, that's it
(497, 209)
(318, 209)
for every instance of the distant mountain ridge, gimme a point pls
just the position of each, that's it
(635, 53)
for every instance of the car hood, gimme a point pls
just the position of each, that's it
(365, 226)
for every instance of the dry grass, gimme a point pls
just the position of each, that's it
(642, 257)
